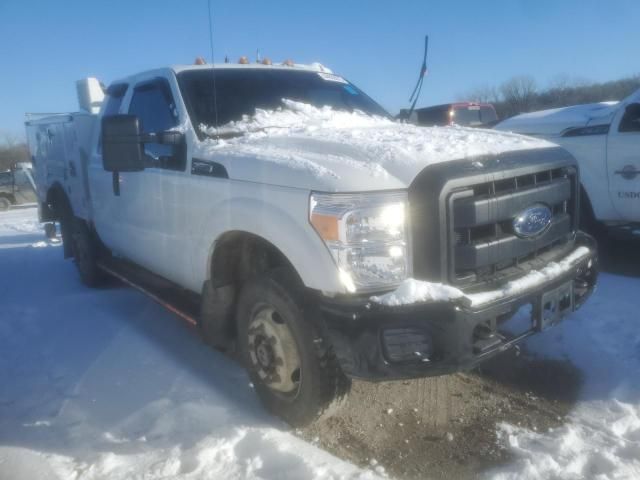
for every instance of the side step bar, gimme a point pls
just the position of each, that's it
(180, 302)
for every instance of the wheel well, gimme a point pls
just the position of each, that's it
(57, 202)
(241, 255)
(237, 257)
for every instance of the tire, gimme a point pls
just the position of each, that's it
(292, 367)
(5, 204)
(64, 214)
(86, 253)
(50, 230)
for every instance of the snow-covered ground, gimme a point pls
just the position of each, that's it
(601, 440)
(98, 384)
(106, 384)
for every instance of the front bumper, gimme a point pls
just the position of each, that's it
(376, 342)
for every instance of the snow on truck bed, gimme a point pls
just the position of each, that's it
(104, 384)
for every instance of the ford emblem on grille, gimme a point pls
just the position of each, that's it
(532, 221)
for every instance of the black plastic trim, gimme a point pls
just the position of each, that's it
(438, 184)
(208, 168)
(474, 211)
(587, 131)
(355, 327)
(509, 247)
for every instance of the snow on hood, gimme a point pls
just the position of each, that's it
(556, 120)
(321, 148)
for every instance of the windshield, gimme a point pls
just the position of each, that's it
(474, 115)
(240, 91)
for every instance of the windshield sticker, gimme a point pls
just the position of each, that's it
(350, 90)
(330, 77)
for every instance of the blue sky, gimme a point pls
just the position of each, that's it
(46, 45)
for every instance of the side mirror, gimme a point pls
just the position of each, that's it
(121, 144)
(632, 110)
(631, 120)
(170, 137)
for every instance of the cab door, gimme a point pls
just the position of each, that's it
(623, 159)
(153, 194)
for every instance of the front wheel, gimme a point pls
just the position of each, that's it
(5, 204)
(293, 369)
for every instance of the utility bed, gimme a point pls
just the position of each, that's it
(60, 150)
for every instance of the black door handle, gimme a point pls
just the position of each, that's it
(628, 172)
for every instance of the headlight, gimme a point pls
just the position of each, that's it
(367, 236)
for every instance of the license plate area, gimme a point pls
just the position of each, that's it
(552, 306)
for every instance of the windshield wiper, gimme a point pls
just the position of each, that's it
(235, 134)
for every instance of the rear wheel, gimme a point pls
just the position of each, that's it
(50, 230)
(5, 203)
(292, 367)
(85, 253)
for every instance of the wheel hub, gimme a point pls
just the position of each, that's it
(264, 352)
(273, 352)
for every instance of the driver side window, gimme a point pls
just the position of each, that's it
(631, 120)
(153, 104)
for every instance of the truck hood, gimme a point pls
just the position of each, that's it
(555, 121)
(321, 149)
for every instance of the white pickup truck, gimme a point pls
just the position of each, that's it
(296, 223)
(605, 140)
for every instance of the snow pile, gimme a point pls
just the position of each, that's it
(297, 116)
(354, 136)
(601, 438)
(105, 384)
(416, 291)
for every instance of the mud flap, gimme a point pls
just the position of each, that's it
(217, 315)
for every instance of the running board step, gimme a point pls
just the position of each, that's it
(183, 303)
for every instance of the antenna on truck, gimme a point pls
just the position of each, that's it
(213, 70)
(423, 72)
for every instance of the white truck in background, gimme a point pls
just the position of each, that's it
(605, 140)
(283, 212)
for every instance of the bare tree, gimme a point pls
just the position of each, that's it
(519, 93)
(482, 94)
(13, 149)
